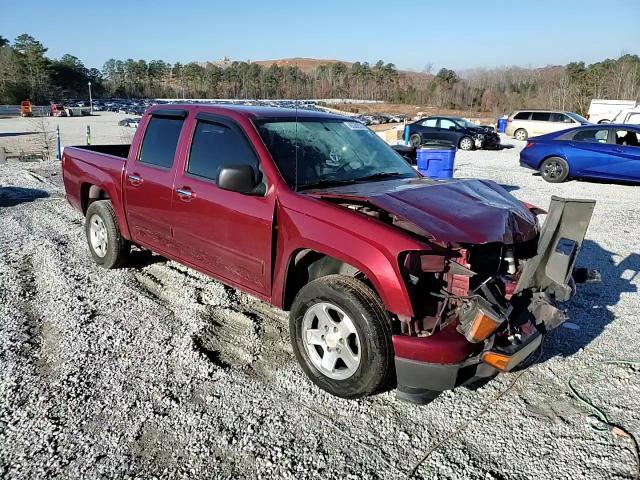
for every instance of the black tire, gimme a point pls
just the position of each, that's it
(466, 143)
(415, 140)
(521, 134)
(604, 121)
(363, 306)
(117, 247)
(554, 169)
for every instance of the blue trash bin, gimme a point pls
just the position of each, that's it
(436, 161)
(502, 124)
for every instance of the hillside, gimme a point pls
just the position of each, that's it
(307, 65)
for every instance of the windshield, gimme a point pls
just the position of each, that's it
(465, 123)
(577, 117)
(330, 152)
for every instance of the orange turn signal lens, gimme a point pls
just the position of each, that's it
(482, 326)
(497, 361)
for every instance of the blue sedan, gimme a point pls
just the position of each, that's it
(605, 152)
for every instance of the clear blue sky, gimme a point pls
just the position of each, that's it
(458, 34)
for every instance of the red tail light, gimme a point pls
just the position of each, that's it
(529, 144)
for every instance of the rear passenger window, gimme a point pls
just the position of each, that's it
(540, 116)
(595, 136)
(214, 146)
(160, 141)
(628, 138)
(522, 116)
(430, 122)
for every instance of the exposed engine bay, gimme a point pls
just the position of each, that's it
(494, 293)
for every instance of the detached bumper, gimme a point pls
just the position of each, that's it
(419, 382)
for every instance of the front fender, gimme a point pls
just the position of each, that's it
(375, 255)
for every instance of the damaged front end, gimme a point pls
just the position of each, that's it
(484, 308)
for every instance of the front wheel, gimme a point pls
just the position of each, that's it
(341, 336)
(554, 170)
(466, 143)
(108, 248)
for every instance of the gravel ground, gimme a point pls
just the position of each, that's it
(156, 371)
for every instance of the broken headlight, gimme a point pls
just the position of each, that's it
(479, 319)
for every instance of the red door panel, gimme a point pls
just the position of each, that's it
(148, 192)
(227, 233)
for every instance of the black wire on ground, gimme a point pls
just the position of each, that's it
(597, 413)
(465, 424)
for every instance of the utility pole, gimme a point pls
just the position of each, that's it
(90, 100)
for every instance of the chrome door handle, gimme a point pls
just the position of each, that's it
(184, 193)
(134, 178)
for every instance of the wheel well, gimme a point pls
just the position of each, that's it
(308, 265)
(89, 194)
(548, 157)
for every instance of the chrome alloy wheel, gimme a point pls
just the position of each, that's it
(466, 143)
(331, 341)
(98, 236)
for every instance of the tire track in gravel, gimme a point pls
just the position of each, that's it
(236, 331)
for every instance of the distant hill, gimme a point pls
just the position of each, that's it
(307, 65)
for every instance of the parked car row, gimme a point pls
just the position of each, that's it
(380, 118)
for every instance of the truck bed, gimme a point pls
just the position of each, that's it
(120, 150)
(103, 165)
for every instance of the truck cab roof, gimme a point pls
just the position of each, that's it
(251, 112)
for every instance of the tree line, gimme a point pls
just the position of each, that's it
(27, 73)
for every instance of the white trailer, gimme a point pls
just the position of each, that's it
(603, 111)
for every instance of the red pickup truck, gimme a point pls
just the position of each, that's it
(391, 279)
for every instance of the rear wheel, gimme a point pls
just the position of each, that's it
(415, 140)
(554, 170)
(466, 143)
(603, 121)
(108, 248)
(341, 336)
(521, 134)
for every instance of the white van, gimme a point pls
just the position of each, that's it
(604, 111)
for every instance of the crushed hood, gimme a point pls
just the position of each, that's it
(447, 212)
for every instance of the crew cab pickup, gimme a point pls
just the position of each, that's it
(391, 279)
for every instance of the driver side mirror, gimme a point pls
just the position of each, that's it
(239, 178)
